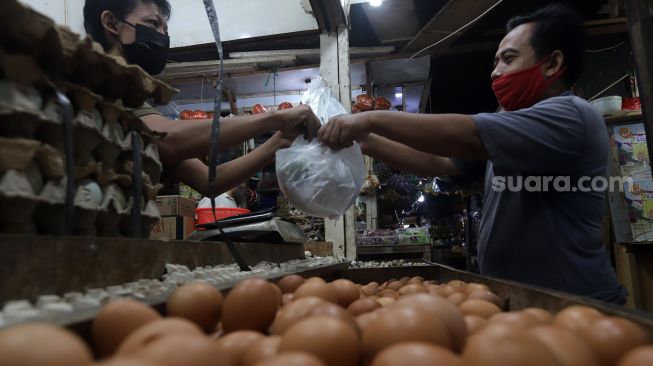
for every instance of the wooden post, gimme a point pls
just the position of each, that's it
(640, 29)
(334, 67)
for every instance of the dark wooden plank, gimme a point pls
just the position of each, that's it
(35, 265)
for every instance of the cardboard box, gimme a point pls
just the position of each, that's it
(176, 206)
(173, 228)
(413, 236)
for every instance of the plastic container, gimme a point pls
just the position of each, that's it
(205, 216)
(607, 105)
(631, 104)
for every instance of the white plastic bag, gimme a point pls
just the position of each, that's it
(316, 179)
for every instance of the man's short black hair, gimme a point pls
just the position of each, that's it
(120, 8)
(557, 27)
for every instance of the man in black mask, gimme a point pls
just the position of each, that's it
(137, 30)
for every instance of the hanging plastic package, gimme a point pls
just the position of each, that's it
(316, 179)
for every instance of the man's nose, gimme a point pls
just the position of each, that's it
(495, 74)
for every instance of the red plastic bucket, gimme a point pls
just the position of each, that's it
(205, 216)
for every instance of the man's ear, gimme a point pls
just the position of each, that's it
(555, 63)
(110, 23)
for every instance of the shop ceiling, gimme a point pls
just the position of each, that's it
(396, 29)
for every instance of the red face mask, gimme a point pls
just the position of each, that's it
(521, 89)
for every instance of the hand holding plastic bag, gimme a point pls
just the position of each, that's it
(317, 180)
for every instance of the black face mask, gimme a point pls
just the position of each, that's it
(149, 51)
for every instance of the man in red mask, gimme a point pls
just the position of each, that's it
(547, 234)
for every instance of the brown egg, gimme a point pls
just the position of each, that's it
(316, 279)
(434, 290)
(277, 290)
(569, 348)
(412, 289)
(198, 302)
(317, 289)
(116, 320)
(388, 293)
(182, 350)
(515, 319)
(577, 317)
(498, 330)
(368, 291)
(457, 283)
(405, 279)
(517, 348)
(386, 301)
(293, 359)
(126, 361)
(416, 354)
(233, 345)
(154, 330)
(446, 290)
(290, 283)
(474, 323)
(471, 287)
(364, 320)
(457, 298)
(363, 306)
(612, 337)
(329, 339)
(416, 280)
(403, 324)
(251, 305)
(287, 299)
(294, 312)
(542, 315)
(395, 286)
(640, 356)
(482, 308)
(346, 292)
(484, 295)
(263, 349)
(444, 310)
(335, 311)
(39, 344)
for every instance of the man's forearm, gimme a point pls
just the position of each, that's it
(195, 174)
(407, 159)
(190, 139)
(448, 135)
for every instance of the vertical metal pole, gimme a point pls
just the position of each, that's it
(640, 29)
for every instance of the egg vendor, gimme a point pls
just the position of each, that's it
(137, 31)
(547, 234)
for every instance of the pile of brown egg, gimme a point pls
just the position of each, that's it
(309, 322)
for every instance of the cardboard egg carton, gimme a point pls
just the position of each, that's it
(58, 49)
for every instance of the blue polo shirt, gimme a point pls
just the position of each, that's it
(541, 220)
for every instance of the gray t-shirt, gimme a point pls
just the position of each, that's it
(548, 238)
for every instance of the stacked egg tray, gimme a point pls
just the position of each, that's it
(73, 159)
(322, 312)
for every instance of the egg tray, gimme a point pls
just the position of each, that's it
(515, 296)
(59, 50)
(153, 291)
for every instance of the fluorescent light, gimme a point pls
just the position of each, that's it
(376, 2)
(399, 95)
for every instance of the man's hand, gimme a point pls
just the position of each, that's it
(342, 131)
(297, 121)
